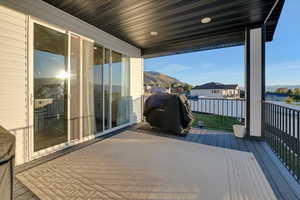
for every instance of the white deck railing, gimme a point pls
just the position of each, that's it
(225, 107)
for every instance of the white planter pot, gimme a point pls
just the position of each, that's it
(239, 130)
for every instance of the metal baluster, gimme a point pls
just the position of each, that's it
(293, 144)
(227, 107)
(271, 123)
(236, 108)
(214, 104)
(290, 139)
(286, 136)
(275, 125)
(298, 145)
(218, 107)
(280, 128)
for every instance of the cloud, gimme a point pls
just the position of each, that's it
(174, 68)
(207, 66)
(292, 65)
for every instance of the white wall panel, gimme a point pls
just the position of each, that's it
(13, 77)
(136, 87)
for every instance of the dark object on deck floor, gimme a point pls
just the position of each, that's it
(7, 154)
(169, 112)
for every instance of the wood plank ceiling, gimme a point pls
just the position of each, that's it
(177, 22)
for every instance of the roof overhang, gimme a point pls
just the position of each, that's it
(177, 22)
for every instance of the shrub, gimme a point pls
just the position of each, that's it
(289, 100)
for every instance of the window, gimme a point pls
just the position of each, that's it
(50, 87)
(215, 91)
(98, 87)
(107, 85)
(120, 89)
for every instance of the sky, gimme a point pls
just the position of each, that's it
(226, 65)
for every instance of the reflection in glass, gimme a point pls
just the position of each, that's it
(50, 87)
(98, 87)
(107, 85)
(125, 108)
(116, 84)
(75, 88)
(88, 89)
(120, 89)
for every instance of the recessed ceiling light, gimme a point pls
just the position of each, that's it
(205, 20)
(153, 33)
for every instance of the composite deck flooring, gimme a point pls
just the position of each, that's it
(22, 193)
(113, 181)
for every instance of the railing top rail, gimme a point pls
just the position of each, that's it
(284, 105)
(220, 99)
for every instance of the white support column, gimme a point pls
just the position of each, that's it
(255, 80)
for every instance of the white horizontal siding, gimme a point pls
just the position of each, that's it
(13, 73)
(52, 15)
(11, 42)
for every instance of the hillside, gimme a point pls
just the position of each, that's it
(151, 77)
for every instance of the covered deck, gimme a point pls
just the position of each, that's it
(142, 163)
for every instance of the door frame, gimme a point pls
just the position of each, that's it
(76, 141)
(30, 41)
(36, 154)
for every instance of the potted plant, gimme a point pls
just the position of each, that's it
(239, 130)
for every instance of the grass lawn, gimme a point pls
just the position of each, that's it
(215, 122)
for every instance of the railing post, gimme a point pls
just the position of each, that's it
(255, 80)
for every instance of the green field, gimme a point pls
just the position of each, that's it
(215, 122)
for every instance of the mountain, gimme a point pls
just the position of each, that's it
(151, 77)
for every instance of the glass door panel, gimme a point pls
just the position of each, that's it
(120, 89)
(116, 89)
(125, 95)
(98, 87)
(75, 62)
(107, 89)
(88, 89)
(50, 87)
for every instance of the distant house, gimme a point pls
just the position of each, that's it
(147, 88)
(160, 90)
(155, 88)
(282, 90)
(216, 90)
(178, 89)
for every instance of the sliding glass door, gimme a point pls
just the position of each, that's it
(50, 87)
(79, 88)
